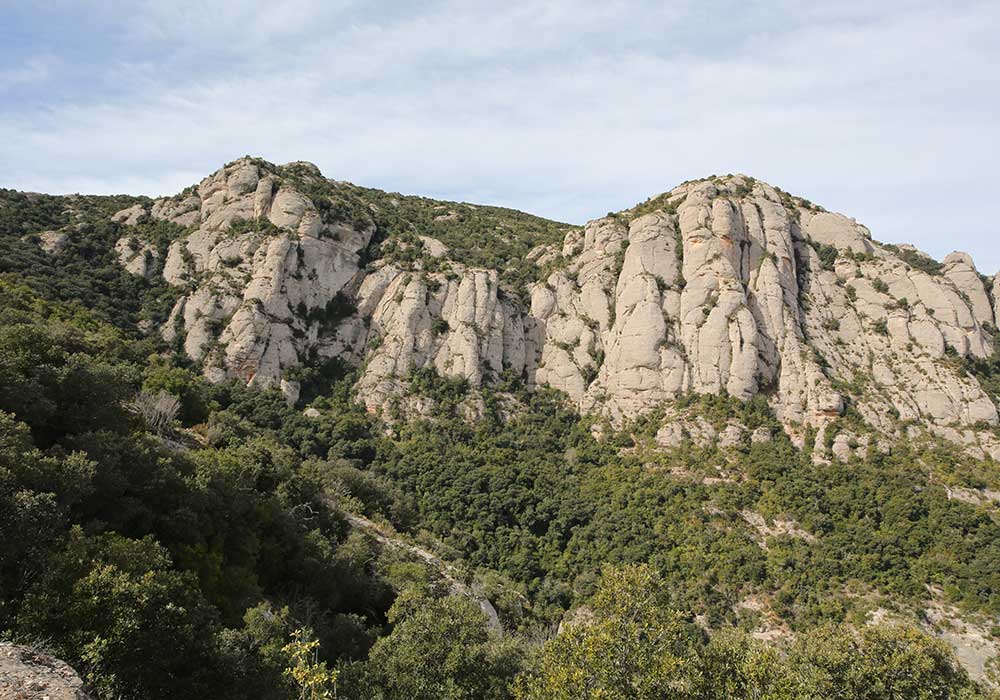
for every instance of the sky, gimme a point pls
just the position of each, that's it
(885, 111)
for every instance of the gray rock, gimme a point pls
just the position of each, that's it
(959, 268)
(29, 674)
(996, 301)
(53, 241)
(727, 294)
(130, 216)
(136, 256)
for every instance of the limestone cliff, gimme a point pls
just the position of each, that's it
(723, 285)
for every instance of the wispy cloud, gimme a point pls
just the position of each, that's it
(883, 110)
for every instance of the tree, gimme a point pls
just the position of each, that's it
(158, 410)
(439, 649)
(735, 665)
(878, 662)
(189, 388)
(631, 648)
(140, 629)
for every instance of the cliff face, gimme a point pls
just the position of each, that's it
(721, 285)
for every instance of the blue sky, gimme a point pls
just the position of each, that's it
(887, 111)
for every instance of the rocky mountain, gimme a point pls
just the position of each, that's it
(479, 428)
(722, 285)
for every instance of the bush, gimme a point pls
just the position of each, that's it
(158, 411)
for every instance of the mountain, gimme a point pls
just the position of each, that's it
(725, 285)
(320, 440)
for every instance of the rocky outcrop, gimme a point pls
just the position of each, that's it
(457, 322)
(721, 286)
(262, 270)
(959, 268)
(29, 674)
(130, 216)
(996, 301)
(53, 241)
(570, 312)
(708, 301)
(137, 256)
(888, 329)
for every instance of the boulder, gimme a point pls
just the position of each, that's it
(53, 241)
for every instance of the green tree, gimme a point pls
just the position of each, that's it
(735, 665)
(188, 387)
(140, 629)
(631, 649)
(439, 649)
(877, 662)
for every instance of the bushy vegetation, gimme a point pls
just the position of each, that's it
(115, 547)
(916, 259)
(987, 370)
(539, 499)
(634, 646)
(827, 254)
(85, 269)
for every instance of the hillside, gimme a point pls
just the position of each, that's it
(724, 439)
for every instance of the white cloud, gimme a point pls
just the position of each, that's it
(569, 109)
(35, 69)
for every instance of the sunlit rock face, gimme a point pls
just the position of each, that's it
(725, 285)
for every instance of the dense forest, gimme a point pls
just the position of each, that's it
(144, 510)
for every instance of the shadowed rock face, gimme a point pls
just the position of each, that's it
(725, 285)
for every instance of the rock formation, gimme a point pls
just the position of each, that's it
(723, 285)
(53, 241)
(29, 674)
(261, 269)
(136, 256)
(996, 302)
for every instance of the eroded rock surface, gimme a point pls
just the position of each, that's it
(721, 286)
(262, 270)
(996, 301)
(137, 256)
(28, 674)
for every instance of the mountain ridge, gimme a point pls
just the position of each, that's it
(721, 285)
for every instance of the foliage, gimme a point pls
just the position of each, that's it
(537, 498)
(113, 547)
(86, 270)
(827, 254)
(314, 679)
(987, 370)
(188, 388)
(115, 604)
(916, 259)
(633, 646)
(629, 650)
(439, 649)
